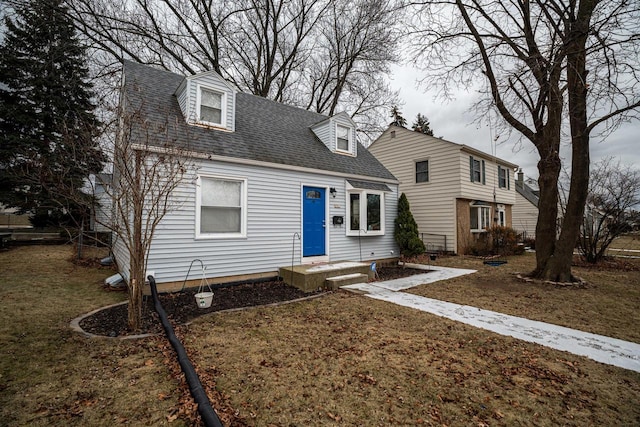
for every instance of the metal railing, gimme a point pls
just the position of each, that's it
(436, 242)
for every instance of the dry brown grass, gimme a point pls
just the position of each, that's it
(343, 359)
(609, 306)
(348, 360)
(628, 241)
(52, 376)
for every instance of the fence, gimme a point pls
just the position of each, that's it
(434, 242)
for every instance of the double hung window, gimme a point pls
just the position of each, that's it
(221, 207)
(476, 170)
(211, 107)
(422, 171)
(343, 138)
(503, 178)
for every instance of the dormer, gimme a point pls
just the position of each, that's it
(338, 134)
(208, 100)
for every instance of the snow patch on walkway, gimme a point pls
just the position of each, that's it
(600, 348)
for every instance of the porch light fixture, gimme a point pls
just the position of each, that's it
(333, 192)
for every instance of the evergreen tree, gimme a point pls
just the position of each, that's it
(406, 230)
(396, 115)
(422, 125)
(48, 127)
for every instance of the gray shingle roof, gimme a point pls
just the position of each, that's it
(527, 192)
(265, 130)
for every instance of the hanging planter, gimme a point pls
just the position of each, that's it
(203, 298)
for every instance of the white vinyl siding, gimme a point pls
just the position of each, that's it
(524, 216)
(434, 205)
(273, 216)
(190, 100)
(338, 134)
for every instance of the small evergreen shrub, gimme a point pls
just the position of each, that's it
(406, 230)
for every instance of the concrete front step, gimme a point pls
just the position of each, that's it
(346, 279)
(312, 277)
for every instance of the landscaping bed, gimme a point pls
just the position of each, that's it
(181, 306)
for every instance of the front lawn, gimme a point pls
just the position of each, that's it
(342, 359)
(50, 375)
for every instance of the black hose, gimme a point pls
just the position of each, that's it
(207, 413)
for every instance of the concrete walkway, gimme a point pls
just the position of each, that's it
(603, 349)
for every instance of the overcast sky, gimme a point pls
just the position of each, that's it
(452, 121)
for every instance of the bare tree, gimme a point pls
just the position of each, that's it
(268, 44)
(178, 35)
(323, 55)
(355, 45)
(533, 58)
(149, 165)
(613, 190)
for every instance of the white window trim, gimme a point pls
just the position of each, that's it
(243, 219)
(223, 104)
(480, 209)
(350, 134)
(363, 213)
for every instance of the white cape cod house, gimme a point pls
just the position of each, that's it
(275, 184)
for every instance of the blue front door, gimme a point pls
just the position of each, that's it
(313, 221)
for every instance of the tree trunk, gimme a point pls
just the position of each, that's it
(547, 142)
(559, 268)
(137, 255)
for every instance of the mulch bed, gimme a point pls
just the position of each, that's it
(181, 307)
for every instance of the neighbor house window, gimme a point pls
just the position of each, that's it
(422, 171)
(476, 170)
(479, 214)
(343, 138)
(221, 207)
(365, 212)
(503, 178)
(211, 107)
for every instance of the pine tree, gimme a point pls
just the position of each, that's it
(396, 115)
(47, 121)
(406, 230)
(422, 125)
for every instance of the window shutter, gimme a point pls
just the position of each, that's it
(471, 168)
(483, 179)
(508, 181)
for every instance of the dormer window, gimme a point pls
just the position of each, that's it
(211, 107)
(343, 138)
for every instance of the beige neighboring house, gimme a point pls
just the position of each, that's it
(525, 211)
(455, 191)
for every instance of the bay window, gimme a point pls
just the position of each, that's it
(479, 214)
(365, 212)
